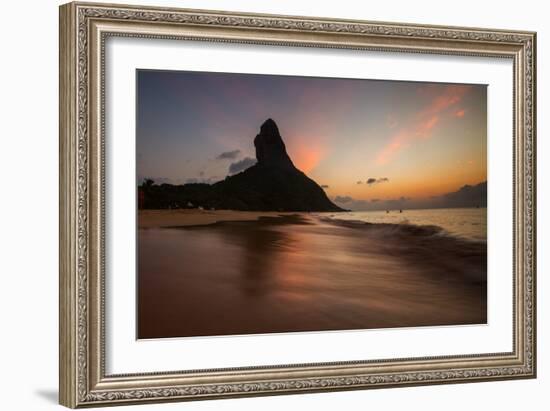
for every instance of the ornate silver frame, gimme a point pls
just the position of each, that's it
(83, 30)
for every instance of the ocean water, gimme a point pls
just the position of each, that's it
(465, 223)
(313, 272)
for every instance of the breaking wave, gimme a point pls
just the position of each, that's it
(430, 246)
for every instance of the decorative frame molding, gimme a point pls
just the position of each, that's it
(83, 30)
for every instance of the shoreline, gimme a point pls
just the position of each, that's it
(188, 218)
(196, 217)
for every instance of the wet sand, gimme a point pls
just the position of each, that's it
(194, 217)
(207, 273)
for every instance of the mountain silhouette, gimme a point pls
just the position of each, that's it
(270, 148)
(272, 184)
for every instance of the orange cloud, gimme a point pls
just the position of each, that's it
(423, 123)
(460, 113)
(306, 154)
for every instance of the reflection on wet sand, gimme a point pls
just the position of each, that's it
(300, 273)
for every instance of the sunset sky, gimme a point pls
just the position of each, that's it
(360, 139)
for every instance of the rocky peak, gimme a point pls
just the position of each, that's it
(270, 148)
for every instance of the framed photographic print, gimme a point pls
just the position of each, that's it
(258, 204)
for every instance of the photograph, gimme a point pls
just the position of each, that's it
(263, 202)
(277, 204)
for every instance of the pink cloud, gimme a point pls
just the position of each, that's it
(450, 96)
(424, 127)
(460, 113)
(425, 120)
(307, 158)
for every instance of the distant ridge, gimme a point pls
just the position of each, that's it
(272, 184)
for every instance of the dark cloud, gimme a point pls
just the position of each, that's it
(373, 204)
(241, 165)
(397, 201)
(343, 199)
(351, 203)
(156, 180)
(191, 180)
(467, 196)
(372, 180)
(324, 186)
(202, 180)
(359, 182)
(229, 155)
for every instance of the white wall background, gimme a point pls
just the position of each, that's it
(28, 202)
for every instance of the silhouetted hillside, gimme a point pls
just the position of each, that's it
(272, 184)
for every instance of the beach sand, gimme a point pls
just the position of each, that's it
(204, 273)
(196, 217)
